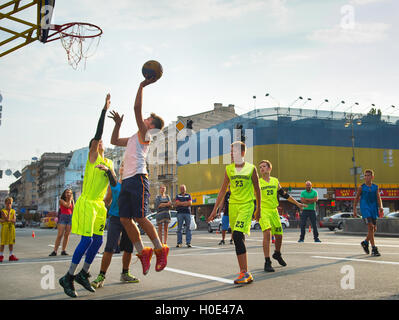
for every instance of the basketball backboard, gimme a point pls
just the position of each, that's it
(25, 21)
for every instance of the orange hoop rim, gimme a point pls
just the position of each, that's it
(60, 31)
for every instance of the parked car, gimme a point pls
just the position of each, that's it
(336, 220)
(173, 222)
(216, 224)
(393, 215)
(20, 224)
(284, 223)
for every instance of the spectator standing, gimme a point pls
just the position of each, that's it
(64, 222)
(163, 205)
(7, 221)
(183, 203)
(309, 197)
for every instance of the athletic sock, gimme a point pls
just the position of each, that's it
(125, 270)
(138, 246)
(267, 259)
(157, 243)
(72, 268)
(86, 267)
(103, 273)
(1, 253)
(11, 253)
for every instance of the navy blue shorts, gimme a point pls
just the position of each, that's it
(115, 229)
(134, 197)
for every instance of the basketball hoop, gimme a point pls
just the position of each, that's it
(79, 39)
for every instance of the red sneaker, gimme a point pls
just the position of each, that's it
(1, 258)
(162, 257)
(145, 258)
(13, 258)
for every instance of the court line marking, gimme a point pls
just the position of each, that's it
(199, 275)
(358, 260)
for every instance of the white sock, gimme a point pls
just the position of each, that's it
(1, 253)
(11, 253)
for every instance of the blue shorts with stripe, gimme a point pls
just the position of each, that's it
(134, 197)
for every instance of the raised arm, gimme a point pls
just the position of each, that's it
(115, 140)
(93, 152)
(138, 108)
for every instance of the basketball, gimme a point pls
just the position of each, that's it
(152, 69)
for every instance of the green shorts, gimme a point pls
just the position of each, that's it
(89, 217)
(270, 219)
(240, 216)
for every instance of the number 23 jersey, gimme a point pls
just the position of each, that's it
(241, 186)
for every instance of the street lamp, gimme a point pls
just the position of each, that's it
(299, 98)
(268, 95)
(350, 120)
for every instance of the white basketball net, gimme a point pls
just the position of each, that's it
(79, 43)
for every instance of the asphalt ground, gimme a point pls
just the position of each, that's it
(336, 269)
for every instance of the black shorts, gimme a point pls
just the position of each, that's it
(370, 220)
(115, 229)
(134, 197)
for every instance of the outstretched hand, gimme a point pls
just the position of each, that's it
(116, 117)
(146, 82)
(107, 101)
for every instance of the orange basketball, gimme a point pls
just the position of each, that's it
(152, 69)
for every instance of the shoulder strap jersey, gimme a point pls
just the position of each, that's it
(95, 181)
(241, 186)
(269, 192)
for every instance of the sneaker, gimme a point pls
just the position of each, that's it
(268, 266)
(365, 246)
(145, 258)
(231, 241)
(1, 258)
(67, 283)
(374, 252)
(83, 279)
(189, 245)
(13, 258)
(300, 240)
(162, 258)
(221, 242)
(127, 277)
(317, 240)
(63, 253)
(277, 255)
(244, 278)
(99, 282)
(179, 245)
(52, 254)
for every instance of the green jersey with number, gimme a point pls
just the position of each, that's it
(269, 193)
(241, 186)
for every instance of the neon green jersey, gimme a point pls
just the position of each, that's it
(241, 186)
(95, 181)
(269, 193)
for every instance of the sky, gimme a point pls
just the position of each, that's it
(212, 51)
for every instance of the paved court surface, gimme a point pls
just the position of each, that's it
(336, 269)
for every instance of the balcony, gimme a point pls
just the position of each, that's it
(165, 177)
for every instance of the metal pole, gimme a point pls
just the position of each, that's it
(353, 156)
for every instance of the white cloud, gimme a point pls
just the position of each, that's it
(360, 34)
(362, 2)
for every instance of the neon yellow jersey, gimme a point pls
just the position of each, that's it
(241, 186)
(269, 193)
(95, 181)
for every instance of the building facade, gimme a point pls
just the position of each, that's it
(165, 172)
(303, 145)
